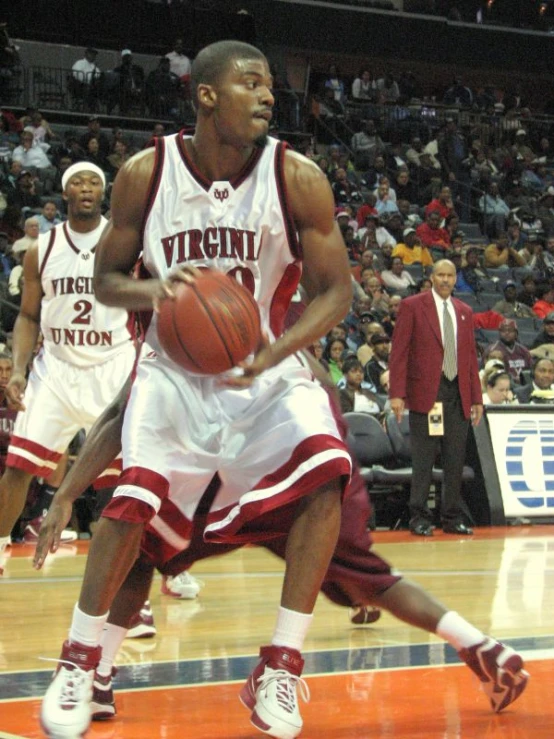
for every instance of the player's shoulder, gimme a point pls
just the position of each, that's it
(299, 165)
(306, 183)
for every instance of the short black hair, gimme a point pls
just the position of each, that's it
(214, 59)
(351, 363)
(537, 361)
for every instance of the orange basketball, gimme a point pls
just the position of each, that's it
(211, 325)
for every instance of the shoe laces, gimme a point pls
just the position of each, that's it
(74, 688)
(285, 688)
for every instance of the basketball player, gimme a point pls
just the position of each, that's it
(87, 350)
(232, 199)
(356, 576)
(262, 446)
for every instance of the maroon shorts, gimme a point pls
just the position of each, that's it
(355, 575)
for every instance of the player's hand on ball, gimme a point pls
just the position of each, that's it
(165, 288)
(51, 529)
(262, 360)
(15, 390)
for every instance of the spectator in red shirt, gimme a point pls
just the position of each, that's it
(545, 302)
(366, 209)
(431, 234)
(443, 204)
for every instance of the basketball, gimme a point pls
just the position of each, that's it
(211, 325)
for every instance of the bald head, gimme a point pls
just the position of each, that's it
(443, 278)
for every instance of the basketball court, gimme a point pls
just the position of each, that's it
(383, 681)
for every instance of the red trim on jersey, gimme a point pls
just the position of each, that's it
(154, 184)
(288, 219)
(15, 459)
(336, 467)
(202, 180)
(140, 319)
(68, 237)
(282, 297)
(248, 167)
(128, 509)
(48, 250)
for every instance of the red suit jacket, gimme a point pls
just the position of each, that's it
(415, 362)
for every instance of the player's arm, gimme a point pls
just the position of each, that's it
(26, 328)
(102, 445)
(326, 271)
(120, 244)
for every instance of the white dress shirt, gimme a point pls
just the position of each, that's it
(439, 302)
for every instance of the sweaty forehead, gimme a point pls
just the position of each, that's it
(241, 66)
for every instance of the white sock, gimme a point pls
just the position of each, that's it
(110, 641)
(458, 632)
(4, 541)
(86, 629)
(291, 628)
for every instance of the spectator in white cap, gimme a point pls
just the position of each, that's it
(131, 82)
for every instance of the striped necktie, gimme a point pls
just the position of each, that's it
(449, 364)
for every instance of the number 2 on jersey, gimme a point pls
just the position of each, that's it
(84, 309)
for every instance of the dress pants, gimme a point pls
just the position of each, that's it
(453, 450)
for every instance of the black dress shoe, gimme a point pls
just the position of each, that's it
(457, 528)
(422, 529)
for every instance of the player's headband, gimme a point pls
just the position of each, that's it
(82, 167)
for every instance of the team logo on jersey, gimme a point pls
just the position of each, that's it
(530, 462)
(85, 255)
(221, 195)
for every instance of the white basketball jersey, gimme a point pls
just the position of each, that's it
(76, 328)
(241, 227)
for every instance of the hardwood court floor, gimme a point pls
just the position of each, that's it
(386, 681)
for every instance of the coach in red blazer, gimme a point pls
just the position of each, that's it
(433, 359)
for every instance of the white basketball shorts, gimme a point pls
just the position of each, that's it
(266, 446)
(60, 399)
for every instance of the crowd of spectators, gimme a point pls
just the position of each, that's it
(463, 193)
(401, 202)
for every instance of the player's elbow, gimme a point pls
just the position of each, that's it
(344, 297)
(103, 288)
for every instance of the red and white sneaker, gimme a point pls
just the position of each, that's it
(66, 708)
(142, 624)
(183, 586)
(30, 534)
(364, 615)
(103, 703)
(499, 669)
(270, 692)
